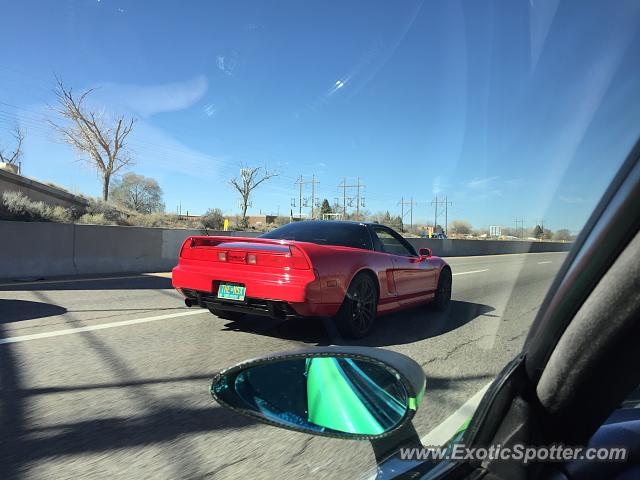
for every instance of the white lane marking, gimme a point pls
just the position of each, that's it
(123, 323)
(472, 271)
(443, 432)
(96, 279)
(548, 261)
(480, 257)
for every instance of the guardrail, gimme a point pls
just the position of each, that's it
(34, 249)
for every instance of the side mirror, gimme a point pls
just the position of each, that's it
(346, 392)
(425, 252)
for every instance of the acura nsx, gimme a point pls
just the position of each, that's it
(348, 270)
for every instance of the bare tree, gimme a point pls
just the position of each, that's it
(13, 156)
(250, 178)
(99, 140)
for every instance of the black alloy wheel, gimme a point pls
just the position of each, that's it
(358, 311)
(443, 291)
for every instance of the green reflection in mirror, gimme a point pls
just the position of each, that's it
(343, 397)
(320, 394)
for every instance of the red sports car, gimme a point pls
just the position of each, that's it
(349, 270)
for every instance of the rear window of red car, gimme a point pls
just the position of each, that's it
(343, 234)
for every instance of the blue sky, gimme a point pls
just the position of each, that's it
(513, 109)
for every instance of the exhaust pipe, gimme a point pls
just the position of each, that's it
(188, 302)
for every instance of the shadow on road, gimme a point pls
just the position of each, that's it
(395, 329)
(20, 446)
(12, 411)
(141, 282)
(19, 310)
(448, 384)
(422, 323)
(101, 386)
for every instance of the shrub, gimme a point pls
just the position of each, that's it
(20, 207)
(151, 220)
(213, 219)
(95, 219)
(61, 214)
(17, 205)
(106, 209)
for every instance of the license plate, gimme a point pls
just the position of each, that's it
(231, 291)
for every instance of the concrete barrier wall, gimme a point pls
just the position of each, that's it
(49, 249)
(463, 248)
(34, 249)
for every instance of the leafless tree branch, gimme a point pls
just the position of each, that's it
(14, 155)
(250, 178)
(99, 145)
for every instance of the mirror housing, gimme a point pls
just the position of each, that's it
(345, 392)
(425, 252)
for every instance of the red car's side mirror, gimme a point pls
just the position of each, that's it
(425, 252)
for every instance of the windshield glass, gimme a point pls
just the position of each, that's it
(483, 131)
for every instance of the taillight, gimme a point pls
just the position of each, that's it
(222, 256)
(251, 259)
(188, 243)
(297, 260)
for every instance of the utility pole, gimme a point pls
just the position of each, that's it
(446, 204)
(303, 201)
(435, 214)
(344, 198)
(313, 194)
(349, 199)
(402, 204)
(358, 201)
(446, 215)
(521, 222)
(300, 202)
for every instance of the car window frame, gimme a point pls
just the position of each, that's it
(378, 242)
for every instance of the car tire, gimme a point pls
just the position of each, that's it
(443, 291)
(227, 315)
(357, 314)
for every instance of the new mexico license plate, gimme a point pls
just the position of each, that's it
(231, 291)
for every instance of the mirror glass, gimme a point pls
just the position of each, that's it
(425, 252)
(319, 394)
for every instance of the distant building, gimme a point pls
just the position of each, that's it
(495, 231)
(259, 220)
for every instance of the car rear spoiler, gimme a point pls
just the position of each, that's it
(259, 251)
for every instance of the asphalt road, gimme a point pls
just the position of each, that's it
(130, 399)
